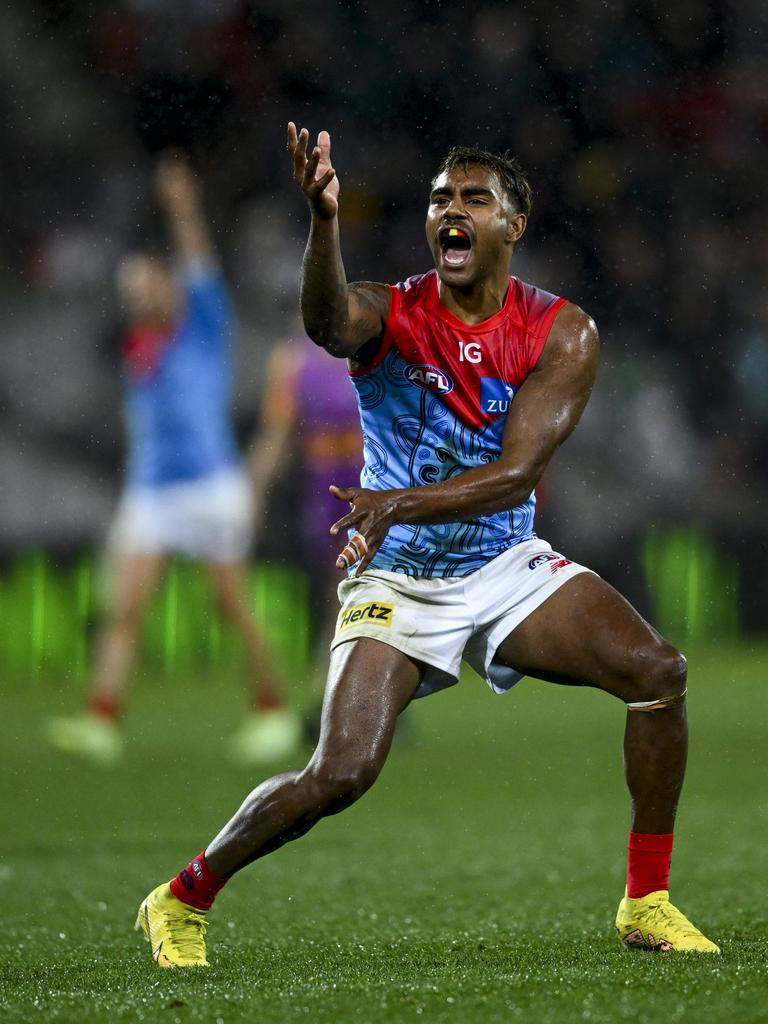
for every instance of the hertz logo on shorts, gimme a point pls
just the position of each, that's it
(372, 612)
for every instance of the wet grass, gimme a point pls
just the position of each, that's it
(477, 881)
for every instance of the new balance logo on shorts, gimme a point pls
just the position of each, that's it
(373, 611)
(554, 560)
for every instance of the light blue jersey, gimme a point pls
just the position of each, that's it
(179, 389)
(433, 404)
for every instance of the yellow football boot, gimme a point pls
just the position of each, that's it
(652, 922)
(174, 930)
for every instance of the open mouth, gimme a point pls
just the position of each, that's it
(456, 246)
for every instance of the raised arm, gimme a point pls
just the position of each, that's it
(339, 317)
(269, 453)
(179, 195)
(544, 412)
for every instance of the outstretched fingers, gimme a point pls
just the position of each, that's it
(324, 145)
(356, 547)
(312, 185)
(365, 517)
(353, 517)
(306, 167)
(297, 147)
(318, 174)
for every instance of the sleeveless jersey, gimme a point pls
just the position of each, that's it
(433, 403)
(178, 390)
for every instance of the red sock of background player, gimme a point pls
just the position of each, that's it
(104, 705)
(197, 885)
(648, 861)
(266, 699)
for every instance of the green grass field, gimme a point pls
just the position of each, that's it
(476, 882)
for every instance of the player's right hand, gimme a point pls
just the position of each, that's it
(313, 173)
(371, 514)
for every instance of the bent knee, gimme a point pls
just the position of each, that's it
(660, 671)
(670, 669)
(341, 782)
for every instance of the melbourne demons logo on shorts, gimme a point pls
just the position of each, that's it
(554, 560)
(428, 377)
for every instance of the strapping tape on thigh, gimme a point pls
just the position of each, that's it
(657, 705)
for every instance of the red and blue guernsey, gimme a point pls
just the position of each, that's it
(433, 403)
(179, 384)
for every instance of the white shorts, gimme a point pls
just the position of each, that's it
(209, 518)
(441, 621)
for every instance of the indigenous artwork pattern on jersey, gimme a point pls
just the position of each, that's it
(434, 402)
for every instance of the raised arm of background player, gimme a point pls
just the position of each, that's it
(271, 449)
(179, 195)
(346, 319)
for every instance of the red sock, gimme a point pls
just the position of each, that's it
(648, 863)
(104, 705)
(266, 699)
(197, 885)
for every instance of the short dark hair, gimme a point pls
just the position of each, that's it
(505, 166)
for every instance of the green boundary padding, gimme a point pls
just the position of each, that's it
(48, 614)
(695, 591)
(48, 611)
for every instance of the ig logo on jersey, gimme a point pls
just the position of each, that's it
(428, 377)
(470, 352)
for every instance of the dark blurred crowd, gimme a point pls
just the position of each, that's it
(642, 126)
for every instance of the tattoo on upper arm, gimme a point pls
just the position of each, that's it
(367, 303)
(368, 314)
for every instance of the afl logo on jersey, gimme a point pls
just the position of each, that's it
(429, 378)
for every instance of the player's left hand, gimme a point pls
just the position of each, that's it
(371, 514)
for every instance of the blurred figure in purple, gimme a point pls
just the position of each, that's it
(310, 429)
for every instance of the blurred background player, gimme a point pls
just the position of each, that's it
(310, 430)
(186, 489)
